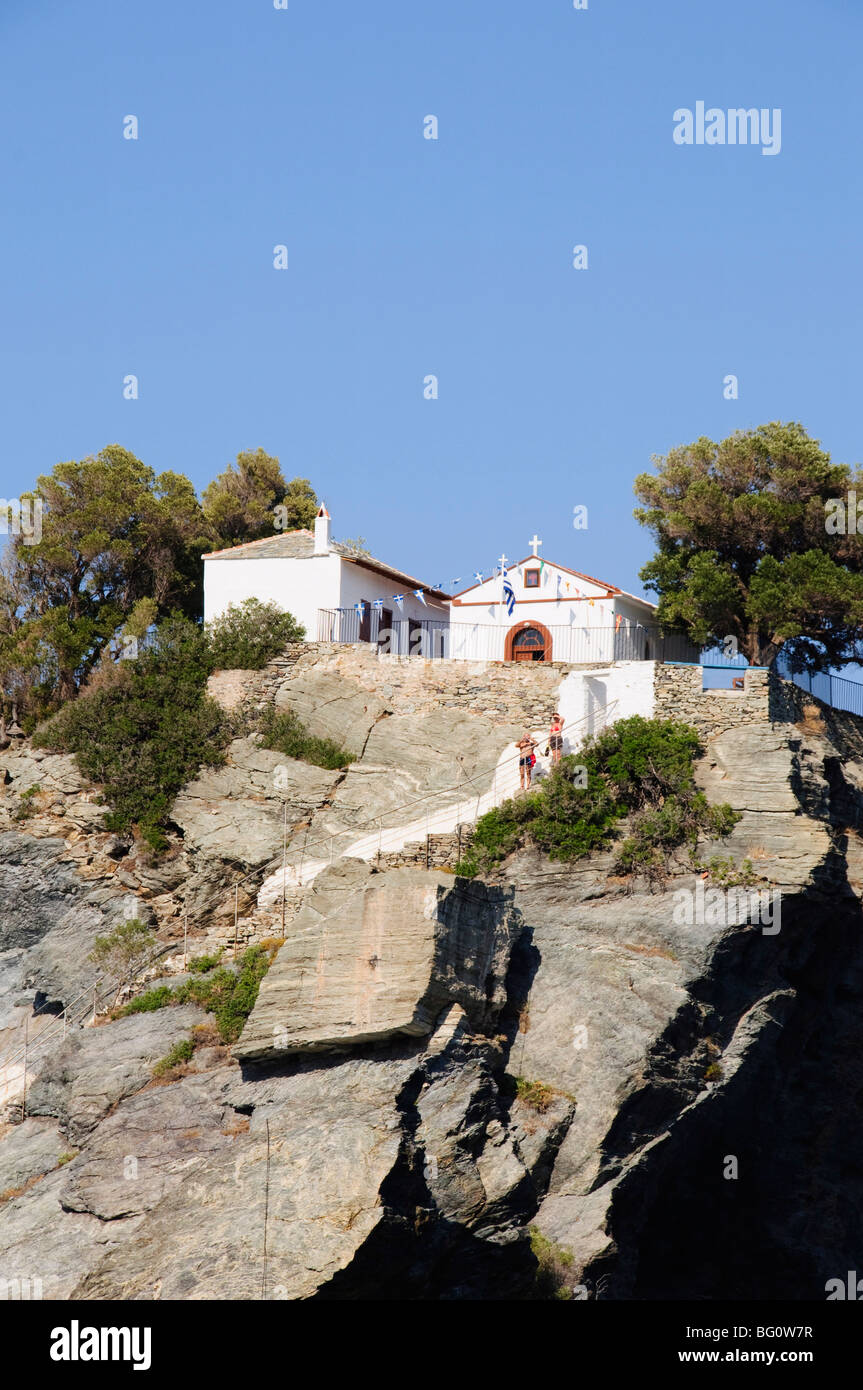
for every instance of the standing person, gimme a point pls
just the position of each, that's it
(555, 738)
(525, 747)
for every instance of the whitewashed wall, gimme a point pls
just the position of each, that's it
(585, 698)
(356, 583)
(300, 587)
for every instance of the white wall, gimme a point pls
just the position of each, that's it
(300, 587)
(481, 626)
(587, 698)
(358, 583)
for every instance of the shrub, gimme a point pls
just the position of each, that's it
(284, 733)
(147, 732)
(201, 964)
(180, 1053)
(25, 807)
(554, 1278)
(535, 1094)
(123, 952)
(643, 768)
(228, 995)
(248, 635)
(149, 1002)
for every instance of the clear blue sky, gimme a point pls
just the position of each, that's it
(409, 256)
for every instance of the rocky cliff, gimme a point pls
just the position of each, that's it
(434, 1066)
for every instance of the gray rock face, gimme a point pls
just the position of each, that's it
(148, 1148)
(374, 1127)
(330, 707)
(374, 955)
(313, 1157)
(97, 1067)
(29, 1150)
(235, 812)
(406, 758)
(45, 913)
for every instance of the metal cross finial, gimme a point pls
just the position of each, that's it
(535, 544)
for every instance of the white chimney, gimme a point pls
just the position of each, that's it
(322, 532)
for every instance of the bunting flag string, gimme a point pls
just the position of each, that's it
(360, 608)
(399, 600)
(418, 593)
(478, 576)
(378, 603)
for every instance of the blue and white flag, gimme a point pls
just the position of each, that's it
(508, 595)
(399, 599)
(453, 582)
(477, 576)
(361, 608)
(378, 603)
(418, 593)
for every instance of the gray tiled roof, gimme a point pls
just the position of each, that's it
(300, 545)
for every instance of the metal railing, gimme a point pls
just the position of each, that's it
(836, 691)
(463, 641)
(73, 1016)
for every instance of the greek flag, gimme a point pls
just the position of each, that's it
(418, 593)
(508, 595)
(453, 582)
(361, 608)
(378, 603)
(477, 576)
(399, 600)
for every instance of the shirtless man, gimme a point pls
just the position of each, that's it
(525, 747)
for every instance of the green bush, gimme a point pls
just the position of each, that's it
(201, 964)
(284, 733)
(554, 1278)
(146, 731)
(123, 952)
(181, 1052)
(535, 1094)
(642, 768)
(25, 807)
(248, 635)
(149, 1002)
(230, 996)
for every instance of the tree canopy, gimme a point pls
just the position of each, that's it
(119, 547)
(749, 546)
(251, 499)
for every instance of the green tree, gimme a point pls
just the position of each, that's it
(113, 533)
(241, 503)
(145, 732)
(746, 548)
(123, 953)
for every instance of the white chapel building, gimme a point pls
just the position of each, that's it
(533, 610)
(551, 613)
(337, 596)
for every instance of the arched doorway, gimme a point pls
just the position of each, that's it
(528, 641)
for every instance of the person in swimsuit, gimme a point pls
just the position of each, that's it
(555, 738)
(525, 747)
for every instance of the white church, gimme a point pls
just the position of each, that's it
(527, 610)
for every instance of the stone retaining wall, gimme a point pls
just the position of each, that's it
(678, 694)
(511, 692)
